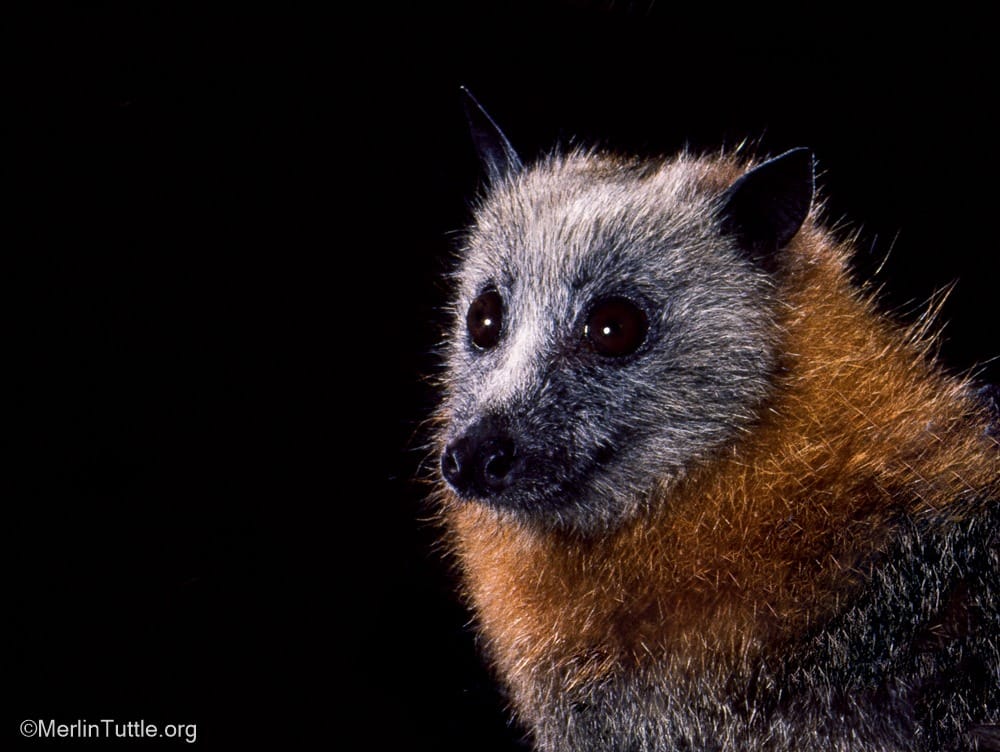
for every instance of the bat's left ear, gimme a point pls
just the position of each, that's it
(766, 207)
(495, 151)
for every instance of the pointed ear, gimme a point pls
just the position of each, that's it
(495, 151)
(765, 208)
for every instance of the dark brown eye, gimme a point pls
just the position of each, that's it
(484, 319)
(616, 327)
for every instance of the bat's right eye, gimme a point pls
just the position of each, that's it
(485, 319)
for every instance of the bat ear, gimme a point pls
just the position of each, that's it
(495, 151)
(765, 208)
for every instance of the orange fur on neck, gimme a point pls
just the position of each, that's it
(766, 538)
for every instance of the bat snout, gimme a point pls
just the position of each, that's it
(482, 462)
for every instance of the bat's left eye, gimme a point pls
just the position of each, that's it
(616, 327)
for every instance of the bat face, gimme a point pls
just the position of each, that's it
(608, 333)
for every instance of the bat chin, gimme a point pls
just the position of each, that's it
(553, 503)
(527, 501)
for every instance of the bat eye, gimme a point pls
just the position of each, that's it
(484, 319)
(616, 327)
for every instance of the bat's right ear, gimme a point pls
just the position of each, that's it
(495, 151)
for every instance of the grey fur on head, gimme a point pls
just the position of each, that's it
(593, 434)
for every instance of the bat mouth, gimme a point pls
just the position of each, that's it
(508, 475)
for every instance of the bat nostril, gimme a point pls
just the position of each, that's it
(498, 463)
(455, 465)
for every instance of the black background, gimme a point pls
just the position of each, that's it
(226, 255)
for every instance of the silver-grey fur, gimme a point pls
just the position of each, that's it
(573, 229)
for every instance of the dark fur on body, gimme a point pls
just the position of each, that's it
(911, 664)
(772, 527)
